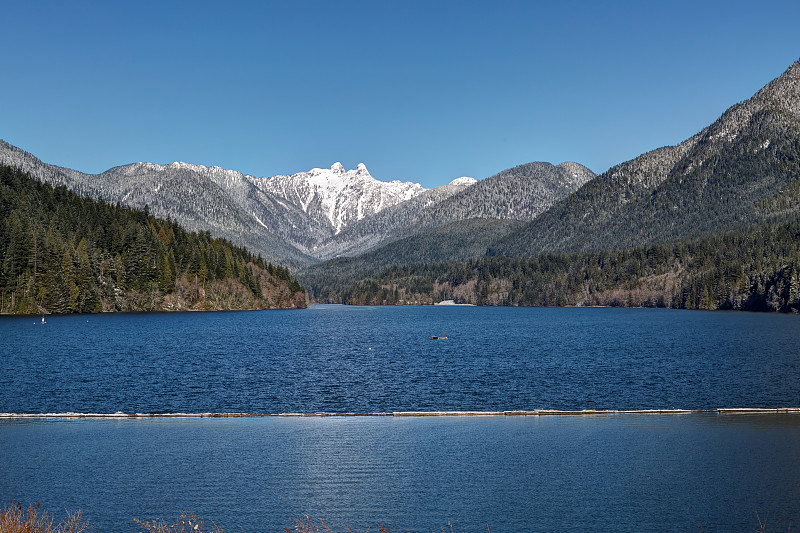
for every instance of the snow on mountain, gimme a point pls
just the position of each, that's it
(336, 197)
(463, 180)
(286, 218)
(362, 235)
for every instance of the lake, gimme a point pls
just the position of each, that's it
(630, 472)
(380, 359)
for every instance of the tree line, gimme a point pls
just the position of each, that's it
(757, 269)
(63, 253)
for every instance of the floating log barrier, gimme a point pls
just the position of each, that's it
(748, 410)
(536, 412)
(448, 413)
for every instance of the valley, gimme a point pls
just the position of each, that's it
(343, 230)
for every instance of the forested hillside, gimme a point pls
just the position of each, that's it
(736, 172)
(519, 193)
(754, 270)
(456, 241)
(709, 223)
(63, 253)
(198, 198)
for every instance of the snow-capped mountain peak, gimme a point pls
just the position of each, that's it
(335, 178)
(336, 197)
(333, 197)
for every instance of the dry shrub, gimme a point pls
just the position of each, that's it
(307, 526)
(186, 523)
(764, 526)
(299, 526)
(16, 519)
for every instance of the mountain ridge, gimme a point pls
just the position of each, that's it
(237, 206)
(740, 170)
(712, 181)
(518, 193)
(305, 217)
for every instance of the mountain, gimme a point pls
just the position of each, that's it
(321, 214)
(378, 229)
(334, 198)
(754, 270)
(740, 171)
(199, 198)
(284, 218)
(655, 230)
(453, 222)
(519, 193)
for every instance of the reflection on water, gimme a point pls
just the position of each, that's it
(575, 473)
(556, 473)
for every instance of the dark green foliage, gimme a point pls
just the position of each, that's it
(726, 202)
(755, 270)
(62, 253)
(454, 242)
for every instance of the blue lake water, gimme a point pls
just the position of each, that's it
(379, 359)
(562, 473)
(575, 473)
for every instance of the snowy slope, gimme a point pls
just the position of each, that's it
(336, 197)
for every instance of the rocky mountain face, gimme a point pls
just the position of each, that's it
(335, 198)
(519, 193)
(15, 157)
(741, 170)
(302, 210)
(740, 174)
(302, 218)
(380, 228)
(199, 198)
(454, 222)
(284, 218)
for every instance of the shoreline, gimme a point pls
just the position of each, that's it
(413, 414)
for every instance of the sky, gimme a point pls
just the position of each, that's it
(422, 91)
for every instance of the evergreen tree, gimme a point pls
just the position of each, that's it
(124, 258)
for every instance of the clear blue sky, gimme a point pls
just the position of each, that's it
(423, 91)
